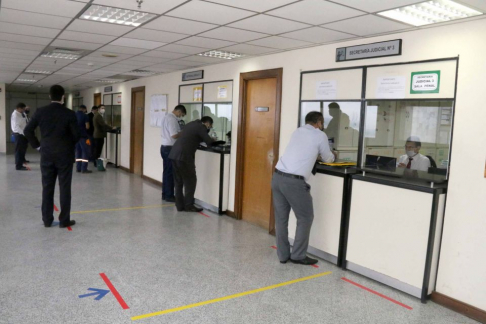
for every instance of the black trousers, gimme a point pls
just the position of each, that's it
(21, 144)
(168, 173)
(50, 172)
(185, 183)
(99, 143)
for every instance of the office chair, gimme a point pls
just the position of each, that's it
(432, 161)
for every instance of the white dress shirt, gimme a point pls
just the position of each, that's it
(419, 162)
(170, 127)
(18, 122)
(306, 144)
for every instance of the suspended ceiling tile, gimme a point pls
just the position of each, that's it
(13, 45)
(137, 43)
(149, 59)
(94, 27)
(204, 42)
(318, 35)
(121, 50)
(97, 56)
(233, 34)
(25, 39)
(155, 35)
(166, 67)
(280, 42)
(182, 63)
(248, 49)
(49, 7)
(204, 59)
(158, 6)
(28, 30)
(366, 25)
(178, 25)
(18, 52)
(376, 5)
(268, 24)
(33, 19)
(209, 12)
(315, 12)
(255, 5)
(479, 5)
(175, 48)
(165, 55)
(86, 37)
(75, 45)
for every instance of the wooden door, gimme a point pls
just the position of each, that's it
(258, 149)
(97, 99)
(137, 129)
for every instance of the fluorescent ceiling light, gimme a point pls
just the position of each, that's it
(144, 72)
(38, 72)
(116, 15)
(25, 80)
(221, 55)
(430, 12)
(61, 55)
(109, 81)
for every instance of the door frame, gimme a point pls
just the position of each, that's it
(244, 78)
(132, 127)
(99, 96)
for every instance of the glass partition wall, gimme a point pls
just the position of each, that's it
(213, 99)
(386, 121)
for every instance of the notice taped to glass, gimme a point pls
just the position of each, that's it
(358, 52)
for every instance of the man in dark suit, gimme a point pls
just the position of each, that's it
(59, 135)
(183, 156)
(91, 115)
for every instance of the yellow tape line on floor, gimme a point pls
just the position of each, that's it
(212, 301)
(117, 209)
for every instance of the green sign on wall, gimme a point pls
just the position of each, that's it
(425, 82)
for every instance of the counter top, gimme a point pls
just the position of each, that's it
(339, 171)
(220, 149)
(402, 182)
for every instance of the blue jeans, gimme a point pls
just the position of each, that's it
(168, 173)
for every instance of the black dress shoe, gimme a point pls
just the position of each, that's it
(26, 161)
(170, 199)
(180, 209)
(48, 225)
(78, 171)
(283, 262)
(306, 261)
(87, 171)
(70, 223)
(193, 209)
(22, 169)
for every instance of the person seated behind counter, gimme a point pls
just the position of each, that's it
(413, 160)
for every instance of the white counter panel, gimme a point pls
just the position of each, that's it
(327, 196)
(388, 230)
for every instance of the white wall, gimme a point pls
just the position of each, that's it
(463, 257)
(3, 119)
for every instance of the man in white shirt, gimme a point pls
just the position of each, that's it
(18, 123)
(413, 160)
(290, 189)
(169, 132)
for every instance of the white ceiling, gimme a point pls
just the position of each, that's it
(171, 41)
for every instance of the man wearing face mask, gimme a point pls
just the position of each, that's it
(183, 154)
(290, 189)
(100, 130)
(413, 160)
(18, 123)
(169, 132)
(59, 135)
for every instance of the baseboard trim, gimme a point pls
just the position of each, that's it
(230, 214)
(459, 307)
(124, 169)
(158, 183)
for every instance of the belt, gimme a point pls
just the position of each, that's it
(288, 175)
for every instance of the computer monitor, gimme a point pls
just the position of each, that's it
(385, 163)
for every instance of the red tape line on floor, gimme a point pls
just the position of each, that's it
(69, 228)
(377, 293)
(114, 291)
(204, 215)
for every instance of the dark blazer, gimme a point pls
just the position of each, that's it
(186, 145)
(91, 126)
(59, 132)
(100, 127)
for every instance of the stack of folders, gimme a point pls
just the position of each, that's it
(342, 163)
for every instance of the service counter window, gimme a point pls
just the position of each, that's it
(112, 103)
(213, 99)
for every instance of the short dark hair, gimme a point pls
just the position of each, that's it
(56, 92)
(334, 105)
(94, 108)
(82, 107)
(181, 108)
(313, 117)
(207, 119)
(21, 105)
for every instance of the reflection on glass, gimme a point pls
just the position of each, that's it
(77, 102)
(193, 112)
(341, 125)
(221, 115)
(116, 116)
(414, 134)
(108, 116)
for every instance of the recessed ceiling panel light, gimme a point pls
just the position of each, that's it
(430, 12)
(108, 81)
(38, 72)
(221, 55)
(141, 72)
(116, 15)
(25, 80)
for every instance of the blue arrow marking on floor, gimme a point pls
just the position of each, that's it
(100, 292)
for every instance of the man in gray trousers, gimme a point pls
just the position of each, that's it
(290, 189)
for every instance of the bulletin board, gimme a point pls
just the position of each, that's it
(158, 109)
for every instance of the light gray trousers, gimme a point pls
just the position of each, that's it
(292, 193)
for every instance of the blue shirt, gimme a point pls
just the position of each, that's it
(82, 120)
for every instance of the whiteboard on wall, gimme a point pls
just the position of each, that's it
(376, 86)
(332, 85)
(158, 109)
